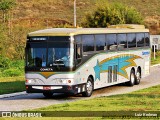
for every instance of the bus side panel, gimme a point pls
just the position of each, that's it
(113, 68)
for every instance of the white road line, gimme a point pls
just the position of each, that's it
(13, 94)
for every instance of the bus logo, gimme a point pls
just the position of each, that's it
(145, 53)
(46, 69)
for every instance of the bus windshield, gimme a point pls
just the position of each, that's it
(49, 54)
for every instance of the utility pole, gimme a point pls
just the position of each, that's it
(75, 24)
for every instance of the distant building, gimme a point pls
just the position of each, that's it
(155, 40)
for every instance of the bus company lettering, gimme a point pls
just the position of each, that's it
(46, 69)
(146, 53)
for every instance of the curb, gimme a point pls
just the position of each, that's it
(155, 65)
(13, 94)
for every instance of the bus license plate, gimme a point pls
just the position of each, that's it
(46, 87)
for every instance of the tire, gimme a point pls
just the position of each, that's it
(89, 88)
(48, 94)
(138, 77)
(132, 78)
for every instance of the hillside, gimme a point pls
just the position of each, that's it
(31, 15)
(63, 9)
(51, 13)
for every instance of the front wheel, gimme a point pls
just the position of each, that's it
(89, 88)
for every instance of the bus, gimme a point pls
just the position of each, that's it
(80, 60)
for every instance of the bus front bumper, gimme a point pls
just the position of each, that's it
(73, 89)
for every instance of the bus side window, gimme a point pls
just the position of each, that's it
(100, 42)
(131, 37)
(111, 42)
(147, 40)
(88, 43)
(122, 41)
(78, 53)
(140, 39)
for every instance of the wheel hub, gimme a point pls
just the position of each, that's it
(132, 78)
(89, 87)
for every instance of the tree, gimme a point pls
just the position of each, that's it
(5, 6)
(112, 14)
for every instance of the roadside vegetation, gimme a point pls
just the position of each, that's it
(11, 75)
(9, 68)
(112, 14)
(157, 58)
(12, 87)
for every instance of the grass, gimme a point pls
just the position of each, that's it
(12, 87)
(12, 79)
(12, 76)
(143, 100)
(157, 60)
(11, 84)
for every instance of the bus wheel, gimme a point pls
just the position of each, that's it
(48, 94)
(132, 78)
(138, 77)
(89, 88)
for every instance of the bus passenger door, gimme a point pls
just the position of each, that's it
(112, 71)
(78, 53)
(113, 63)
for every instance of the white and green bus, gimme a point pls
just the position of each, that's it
(80, 60)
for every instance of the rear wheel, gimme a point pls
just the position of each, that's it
(48, 94)
(89, 88)
(132, 78)
(138, 77)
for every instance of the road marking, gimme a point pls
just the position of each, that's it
(13, 94)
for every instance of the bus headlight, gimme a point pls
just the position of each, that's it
(29, 81)
(64, 81)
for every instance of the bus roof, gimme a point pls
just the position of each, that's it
(77, 31)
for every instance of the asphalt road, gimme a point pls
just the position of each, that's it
(32, 101)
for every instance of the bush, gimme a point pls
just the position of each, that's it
(11, 72)
(4, 62)
(112, 14)
(0, 74)
(17, 64)
(9, 68)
